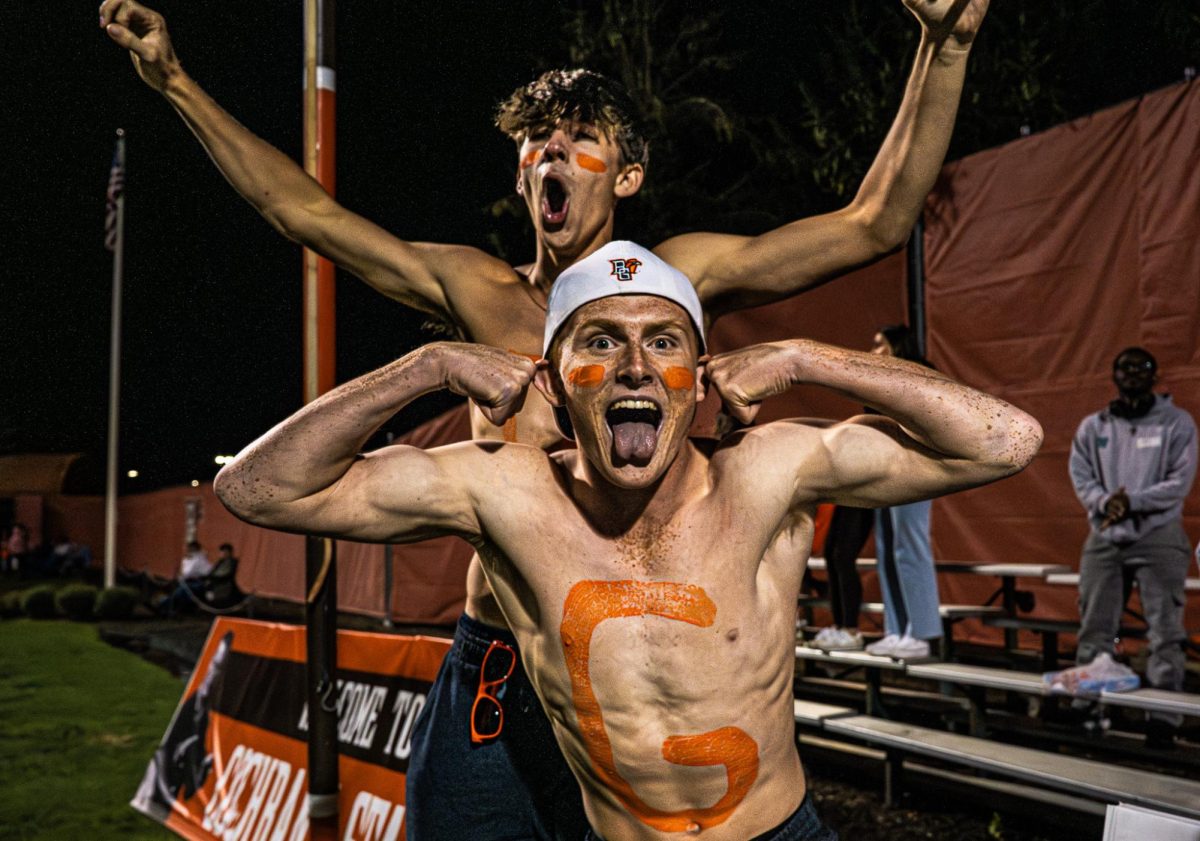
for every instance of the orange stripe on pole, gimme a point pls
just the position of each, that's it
(326, 308)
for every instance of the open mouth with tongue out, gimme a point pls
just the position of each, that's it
(555, 202)
(634, 425)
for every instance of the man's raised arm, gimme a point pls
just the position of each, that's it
(308, 474)
(935, 435)
(733, 272)
(292, 202)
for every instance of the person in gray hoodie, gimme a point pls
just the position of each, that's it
(1132, 465)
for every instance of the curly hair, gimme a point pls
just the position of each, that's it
(579, 95)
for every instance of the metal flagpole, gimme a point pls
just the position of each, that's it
(319, 374)
(114, 240)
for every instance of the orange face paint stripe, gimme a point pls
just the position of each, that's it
(679, 378)
(590, 164)
(587, 605)
(586, 376)
(530, 158)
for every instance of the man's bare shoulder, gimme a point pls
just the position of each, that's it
(465, 265)
(750, 442)
(512, 465)
(488, 300)
(786, 453)
(520, 457)
(492, 474)
(694, 254)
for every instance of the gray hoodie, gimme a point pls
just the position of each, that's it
(1152, 457)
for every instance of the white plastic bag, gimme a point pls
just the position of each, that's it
(1102, 674)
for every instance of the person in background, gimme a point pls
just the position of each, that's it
(193, 571)
(848, 531)
(225, 560)
(67, 557)
(907, 575)
(195, 564)
(18, 551)
(1132, 465)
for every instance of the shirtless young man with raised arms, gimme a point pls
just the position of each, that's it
(635, 571)
(578, 154)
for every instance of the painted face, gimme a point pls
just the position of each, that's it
(628, 371)
(568, 176)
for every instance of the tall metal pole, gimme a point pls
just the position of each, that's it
(388, 572)
(320, 83)
(916, 283)
(115, 240)
(319, 374)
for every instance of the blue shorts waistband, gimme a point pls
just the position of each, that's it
(472, 639)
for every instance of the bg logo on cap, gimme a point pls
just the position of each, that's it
(625, 268)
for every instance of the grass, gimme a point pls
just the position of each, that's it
(79, 720)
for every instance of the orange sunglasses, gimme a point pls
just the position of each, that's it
(487, 715)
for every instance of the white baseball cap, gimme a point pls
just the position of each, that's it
(619, 268)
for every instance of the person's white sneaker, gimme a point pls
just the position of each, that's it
(822, 636)
(842, 639)
(883, 647)
(907, 648)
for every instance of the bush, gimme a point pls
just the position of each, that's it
(76, 601)
(10, 604)
(38, 603)
(117, 602)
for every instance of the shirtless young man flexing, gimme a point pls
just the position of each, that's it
(578, 154)
(636, 571)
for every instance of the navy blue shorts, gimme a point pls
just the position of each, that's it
(803, 825)
(516, 786)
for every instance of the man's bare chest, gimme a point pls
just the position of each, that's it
(555, 547)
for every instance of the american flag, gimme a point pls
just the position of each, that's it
(116, 184)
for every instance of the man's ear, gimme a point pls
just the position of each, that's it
(546, 381)
(520, 182)
(629, 181)
(702, 378)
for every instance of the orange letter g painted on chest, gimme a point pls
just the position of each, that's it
(588, 604)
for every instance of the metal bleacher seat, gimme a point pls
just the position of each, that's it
(1007, 679)
(1155, 700)
(859, 659)
(815, 714)
(1103, 781)
(1071, 579)
(872, 666)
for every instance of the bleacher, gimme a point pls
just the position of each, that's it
(883, 698)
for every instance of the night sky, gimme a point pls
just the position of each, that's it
(211, 354)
